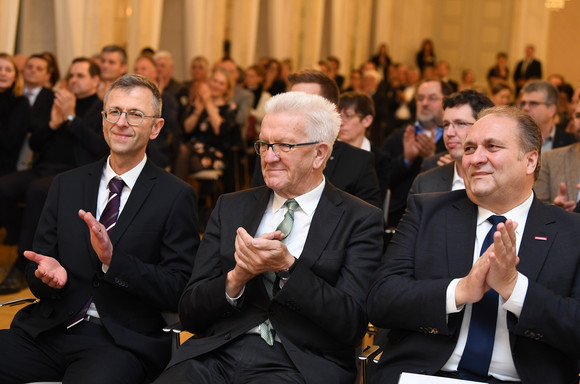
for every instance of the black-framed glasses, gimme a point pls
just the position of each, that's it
(133, 117)
(531, 104)
(457, 124)
(262, 147)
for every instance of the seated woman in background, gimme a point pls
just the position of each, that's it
(207, 126)
(14, 114)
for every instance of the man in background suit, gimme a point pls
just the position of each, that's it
(527, 69)
(102, 288)
(407, 146)
(539, 99)
(71, 137)
(430, 289)
(460, 111)
(348, 168)
(559, 179)
(315, 300)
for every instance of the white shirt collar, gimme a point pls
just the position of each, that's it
(518, 214)
(366, 145)
(458, 182)
(307, 201)
(129, 177)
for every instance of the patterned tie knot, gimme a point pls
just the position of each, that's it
(286, 225)
(116, 185)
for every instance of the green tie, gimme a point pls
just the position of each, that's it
(269, 277)
(286, 225)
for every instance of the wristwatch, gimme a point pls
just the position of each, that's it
(284, 274)
(70, 118)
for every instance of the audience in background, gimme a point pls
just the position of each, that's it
(72, 137)
(113, 64)
(426, 56)
(499, 72)
(501, 93)
(14, 114)
(207, 126)
(539, 99)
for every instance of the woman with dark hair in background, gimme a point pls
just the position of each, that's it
(14, 114)
(426, 55)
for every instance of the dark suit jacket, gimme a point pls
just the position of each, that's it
(562, 139)
(438, 179)
(533, 71)
(433, 245)
(401, 176)
(154, 244)
(348, 168)
(40, 111)
(319, 313)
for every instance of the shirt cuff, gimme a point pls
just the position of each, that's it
(516, 301)
(234, 300)
(450, 306)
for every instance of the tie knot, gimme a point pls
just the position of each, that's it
(291, 204)
(116, 185)
(496, 219)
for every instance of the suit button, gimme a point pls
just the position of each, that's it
(227, 336)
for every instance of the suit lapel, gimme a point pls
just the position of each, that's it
(333, 159)
(447, 176)
(255, 212)
(461, 221)
(537, 240)
(326, 218)
(141, 190)
(91, 194)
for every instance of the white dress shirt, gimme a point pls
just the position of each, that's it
(130, 178)
(502, 364)
(458, 182)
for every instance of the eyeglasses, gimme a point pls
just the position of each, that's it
(346, 117)
(262, 147)
(430, 98)
(133, 117)
(457, 124)
(531, 104)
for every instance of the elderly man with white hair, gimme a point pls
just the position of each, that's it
(279, 285)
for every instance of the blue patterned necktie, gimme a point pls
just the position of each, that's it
(476, 357)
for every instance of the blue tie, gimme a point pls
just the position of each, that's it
(474, 363)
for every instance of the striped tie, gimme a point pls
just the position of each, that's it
(111, 211)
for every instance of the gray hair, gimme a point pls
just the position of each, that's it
(129, 82)
(322, 120)
(547, 89)
(530, 135)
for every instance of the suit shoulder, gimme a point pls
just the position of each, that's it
(440, 199)
(558, 153)
(351, 201)
(551, 212)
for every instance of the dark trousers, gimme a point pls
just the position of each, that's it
(86, 354)
(245, 360)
